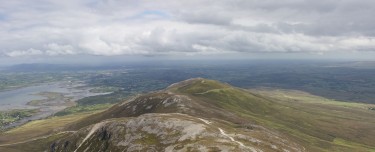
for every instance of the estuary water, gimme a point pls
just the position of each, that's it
(17, 99)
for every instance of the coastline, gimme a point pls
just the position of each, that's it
(52, 101)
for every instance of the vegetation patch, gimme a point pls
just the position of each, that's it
(357, 146)
(104, 89)
(42, 127)
(83, 108)
(102, 99)
(201, 86)
(9, 117)
(148, 139)
(312, 120)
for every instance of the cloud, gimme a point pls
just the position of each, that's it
(194, 27)
(53, 49)
(29, 52)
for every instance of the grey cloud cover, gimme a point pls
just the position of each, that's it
(189, 27)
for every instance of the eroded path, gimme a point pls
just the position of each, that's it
(222, 132)
(92, 131)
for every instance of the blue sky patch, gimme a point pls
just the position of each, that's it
(2, 17)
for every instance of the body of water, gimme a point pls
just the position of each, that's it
(18, 98)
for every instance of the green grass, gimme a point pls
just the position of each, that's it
(39, 128)
(359, 147)
(201, 86)
(104, 89)
(314, 121)
(149, 139)
(83, 108)
(103, 99)
(36, 145)
(304, 97)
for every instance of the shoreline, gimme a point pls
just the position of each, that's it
(53, 102)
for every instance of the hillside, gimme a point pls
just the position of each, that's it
(206, 115)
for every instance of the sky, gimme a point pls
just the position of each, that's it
(38, 30)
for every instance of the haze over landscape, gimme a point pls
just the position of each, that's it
(187, 75)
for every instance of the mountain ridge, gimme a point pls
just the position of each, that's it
(221, 118)
(176, 100)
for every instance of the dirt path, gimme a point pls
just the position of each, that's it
(222, 132)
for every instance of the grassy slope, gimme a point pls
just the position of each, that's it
(46, 131)
(342, 123)
(40, 128)
(319, 123)
(36, 145)
(83, 108)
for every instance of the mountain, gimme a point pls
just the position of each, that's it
(175, 119)
(207, 115)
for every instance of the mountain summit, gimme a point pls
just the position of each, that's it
(192, 115)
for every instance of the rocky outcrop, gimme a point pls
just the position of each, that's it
(169, 132)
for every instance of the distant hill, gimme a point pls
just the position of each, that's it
(46, 67)
(357, 64)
